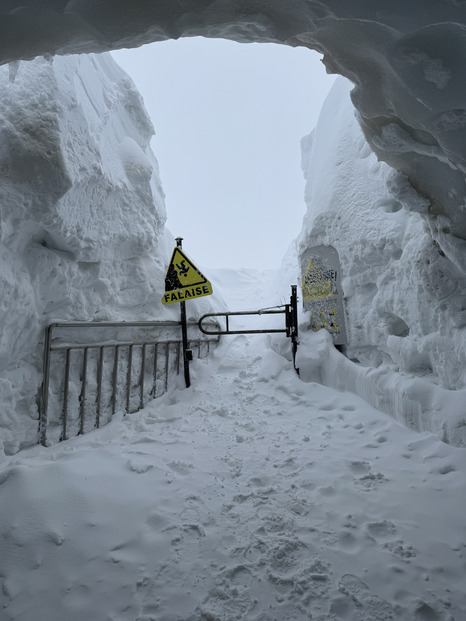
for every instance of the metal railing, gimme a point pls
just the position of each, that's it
(291, 322)
(110, 369)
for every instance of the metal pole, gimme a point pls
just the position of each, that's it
(128, 378)
(294, 324)
(65, 395)
(82, 398)
(184, 333)
(45, 386)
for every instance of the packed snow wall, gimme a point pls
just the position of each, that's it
(404, 280)
(82, 216)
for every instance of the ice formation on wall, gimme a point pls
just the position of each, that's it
(405, 59)
(82, 215)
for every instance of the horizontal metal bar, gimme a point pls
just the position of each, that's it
(114, 324)
(257, 312)
(246, 332)
(240, 314)
(117, 324)
(110, 345)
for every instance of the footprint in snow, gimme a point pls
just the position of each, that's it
(138, 466)
(298, 575)
(230, 598)
(345, 540)
(381, 531)
(370, 607)
(359, 467)
(364, 478)
(190, 515)
(426, 612)
(370, 481)
(181, 467)
(259, 482)
(274, 522)
(401, 549)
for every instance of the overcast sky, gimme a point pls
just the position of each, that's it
(229, 118)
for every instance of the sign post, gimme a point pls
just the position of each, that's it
(187, 353)
(183, 281)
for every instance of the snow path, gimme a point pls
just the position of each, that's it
(251, 496)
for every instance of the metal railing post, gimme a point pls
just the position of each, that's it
(154, 371)
(115, 378)
(100, 368)
(65, 395)
(141, 380)
(82, 398)
(128, 378)
(44, 400)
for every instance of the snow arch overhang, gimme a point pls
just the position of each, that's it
(406, 60)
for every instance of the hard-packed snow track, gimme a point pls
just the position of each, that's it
(250, 496)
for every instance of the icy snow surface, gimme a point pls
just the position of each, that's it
(251, 496)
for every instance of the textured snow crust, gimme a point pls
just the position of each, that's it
(406, 60)
(404, 280)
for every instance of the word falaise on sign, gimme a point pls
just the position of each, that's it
(183, 280)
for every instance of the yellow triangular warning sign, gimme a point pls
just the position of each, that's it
(183, 281)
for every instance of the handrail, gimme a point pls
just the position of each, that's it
(93, 353)
(228, 314)
(113, 324)
(291, 322)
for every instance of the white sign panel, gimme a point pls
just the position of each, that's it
(322, 293)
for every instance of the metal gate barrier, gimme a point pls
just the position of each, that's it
(291, 322)
(113, 371)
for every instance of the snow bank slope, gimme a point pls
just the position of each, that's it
(82, 215)
(404, 280)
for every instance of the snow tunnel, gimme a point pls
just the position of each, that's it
(400, 237)
(405, 62)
